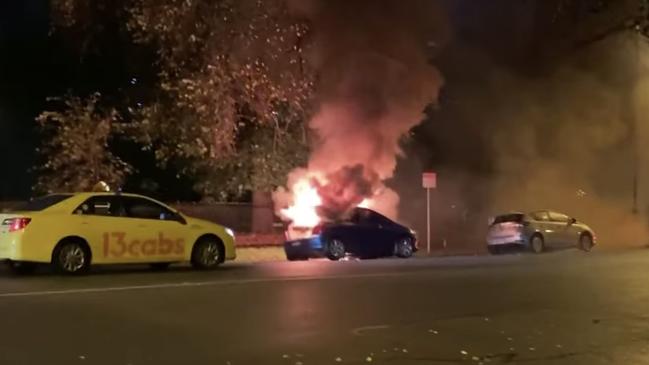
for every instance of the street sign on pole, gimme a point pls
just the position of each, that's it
(429, 181)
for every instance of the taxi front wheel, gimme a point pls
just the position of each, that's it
(207, 254)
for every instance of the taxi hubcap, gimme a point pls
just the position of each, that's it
(72, 258)
(210, 254)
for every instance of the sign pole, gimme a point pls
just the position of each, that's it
(429, 181)
(428, 218)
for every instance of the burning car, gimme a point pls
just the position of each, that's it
(538, 231)
(362, 233)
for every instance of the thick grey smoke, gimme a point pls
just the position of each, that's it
(561, 138)
(375, 81)
(568, 143)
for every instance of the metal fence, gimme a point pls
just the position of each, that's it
(240, 217)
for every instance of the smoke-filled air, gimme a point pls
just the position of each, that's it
(375, 82)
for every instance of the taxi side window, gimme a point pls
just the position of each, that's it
(106, 206)
(146, 209)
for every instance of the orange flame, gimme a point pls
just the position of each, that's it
(302, 213)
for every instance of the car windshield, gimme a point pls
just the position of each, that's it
(506, 218)
(42, 203)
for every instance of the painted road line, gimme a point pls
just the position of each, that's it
(200, 284)
(360, 330)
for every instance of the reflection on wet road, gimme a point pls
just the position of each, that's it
(560, 308)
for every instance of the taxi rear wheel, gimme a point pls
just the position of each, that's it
(207, 254)
(71, 257)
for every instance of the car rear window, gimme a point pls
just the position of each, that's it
(515, 218)
(42, 203)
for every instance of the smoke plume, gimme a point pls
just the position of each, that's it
(564, 138)
(375, 81)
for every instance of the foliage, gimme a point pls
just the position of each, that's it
(76, 148)
(260, 162)
(599, 19)
(232, 77)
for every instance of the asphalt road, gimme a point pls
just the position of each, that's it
(559, 308)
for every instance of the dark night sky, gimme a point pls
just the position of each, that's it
(25, 80)
(35, 65)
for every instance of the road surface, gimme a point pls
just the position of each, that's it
(559, 308)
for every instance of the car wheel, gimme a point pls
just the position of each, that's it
(71, 258)
(335, 249)
(537, 245)
(22, 268)
(493, 250)
(586, 243)
(403, 248)
(207, 254)
(160, 266)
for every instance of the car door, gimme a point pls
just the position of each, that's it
(160, 235)
(387, 234)
(540, 222)
(101, 222)
(375, 237)
(562, 229)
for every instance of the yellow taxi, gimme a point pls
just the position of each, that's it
(73, 231)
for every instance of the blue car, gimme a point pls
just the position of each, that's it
(365, 234)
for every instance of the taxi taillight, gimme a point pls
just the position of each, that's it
(16, 224)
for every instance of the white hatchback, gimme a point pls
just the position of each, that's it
(538, 231)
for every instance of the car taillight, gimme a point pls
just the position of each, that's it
(317, 229)
(16, 224)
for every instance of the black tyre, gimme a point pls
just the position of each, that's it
(403, 248)
(537, 244)
(71, 257)
(586, 242)
(493, 250)
(22, 268)
(207, 254)
(160, 266)
(335, 249)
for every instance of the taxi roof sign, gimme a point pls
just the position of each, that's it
(101, 187)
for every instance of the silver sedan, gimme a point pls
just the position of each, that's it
(538, 231)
